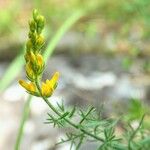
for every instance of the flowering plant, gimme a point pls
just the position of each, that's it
(89, 125)
(34, 60)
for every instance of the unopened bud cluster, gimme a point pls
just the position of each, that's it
(33, 57)
(34, 60)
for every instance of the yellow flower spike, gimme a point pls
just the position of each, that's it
(49, 86)
(30, 87)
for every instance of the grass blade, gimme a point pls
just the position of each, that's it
(63, 29)
(12, 71)
(22, 123)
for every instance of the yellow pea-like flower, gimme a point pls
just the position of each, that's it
(30, 87)
(49, 86)
(46, 90)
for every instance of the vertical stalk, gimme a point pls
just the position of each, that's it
(22, 123)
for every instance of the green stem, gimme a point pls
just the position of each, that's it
(22, 123)
(86, 115)
(60, 115)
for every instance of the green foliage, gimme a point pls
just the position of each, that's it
(89, 126)
(136, 110)
(131, 135)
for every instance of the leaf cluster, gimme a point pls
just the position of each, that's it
(102, 130)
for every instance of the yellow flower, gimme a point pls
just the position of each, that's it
(50, 85)
(30, 87)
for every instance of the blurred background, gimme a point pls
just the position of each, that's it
(104, 59)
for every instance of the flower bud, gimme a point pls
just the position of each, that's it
(32, 36)
(27, 56)
(40, 60)
(40, 21)
(36, 63)
(29, 71)
(28, 86)
(35, 14)
(40, 41)
(32, 25)
(32, 57)
(39, 64)
(28, 45)
(40, 24)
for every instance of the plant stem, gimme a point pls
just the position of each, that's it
(22, 123)
(60, 115)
